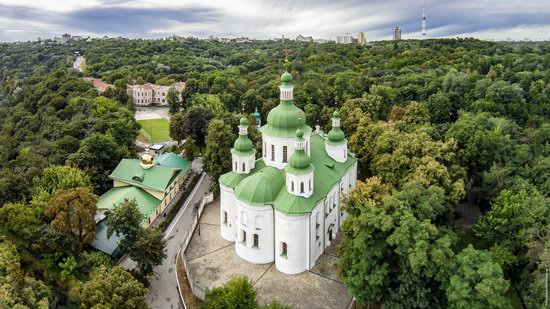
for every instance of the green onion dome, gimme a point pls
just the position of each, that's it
(336, 135)
(286, 77)
(243, 143)
(336, 114)
(256, 115)
(299, 159)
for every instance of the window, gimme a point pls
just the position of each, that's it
(292, 186)
(224, 217)
(256, 241)
(284, 154)
(283, 249)
(243, 167)
(265, 150)
(236, 166)
(309, 184)
(272, 152)
(301, 187)
(244, 237)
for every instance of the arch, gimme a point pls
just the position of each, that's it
(244, 167)
(292, 186)
(285, 154)
(302, 190)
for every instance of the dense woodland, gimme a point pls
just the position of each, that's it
(437, 125)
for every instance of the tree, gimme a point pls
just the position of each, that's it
(219, 141)
(61, 178)
(125, 219)
(194, 123)
(144, 246)
(147, 249)
(189, 149)
(173, 101)
(441, 110)
(237, 293)
(113, 288)
(98, 156)
(476, 282)
(16, 289)
(72, 211)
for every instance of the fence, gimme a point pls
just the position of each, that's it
(198, 208)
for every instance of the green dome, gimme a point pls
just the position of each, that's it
(300, 133)
(256, 114)
(336, 135)
(336, 114)
(261, 188)
(299, 159)
(243, 143)
(286, 77)
(286, 116)
(244, 122)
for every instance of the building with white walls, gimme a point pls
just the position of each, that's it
(285, 206)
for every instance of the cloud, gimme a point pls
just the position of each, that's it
(28, 19)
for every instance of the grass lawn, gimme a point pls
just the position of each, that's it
(156, 130)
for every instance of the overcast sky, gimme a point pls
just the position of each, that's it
(488, 19)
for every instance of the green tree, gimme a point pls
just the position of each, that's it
(173, 101)
(219, 141)
(148, 249)
(61, 178)
(125, 219)
(237, 293)
(441, 109)
(113, 288)
(476, 282)
(72, 211)
(194, 123)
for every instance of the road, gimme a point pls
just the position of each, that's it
(78, 63)
(163, 290)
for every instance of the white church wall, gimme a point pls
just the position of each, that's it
(317, 226)
(337, 152)
(279, 143)
(228, 227)
(295, 184)
(251, 221)
(243, 164)
(331, 215)
(294, 232)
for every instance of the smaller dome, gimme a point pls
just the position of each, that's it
(243, 143)
(256, 114)
(299, 133)
(147, 158)
(336, 135)
(244, 122)
(286, 77)
(336, 114)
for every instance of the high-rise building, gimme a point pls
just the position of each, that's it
(424, 20)
(396, 34)
(361, 38)
(344, 39)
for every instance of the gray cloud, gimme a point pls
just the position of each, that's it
(270, 18)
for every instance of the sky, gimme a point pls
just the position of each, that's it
(263, 19)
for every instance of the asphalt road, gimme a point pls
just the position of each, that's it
(163, 290)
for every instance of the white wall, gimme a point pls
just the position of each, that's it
(254, 220)
(227, 204)
(249, 163)
(316, 234)
(294, 231)
(331, 214)
(298, 180)
(278, 142)
(337, 152)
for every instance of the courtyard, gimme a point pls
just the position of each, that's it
(212, 261)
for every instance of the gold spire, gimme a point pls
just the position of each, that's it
(286, 55)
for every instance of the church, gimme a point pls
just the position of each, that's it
(285, 206)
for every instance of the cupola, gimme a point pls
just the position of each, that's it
(336, 144)
(299, 170)
(243, 152)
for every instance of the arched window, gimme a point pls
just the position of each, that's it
(256, 243)
(301, 187)
(292, 186)
(236, 169)
(272, 152)
(284, 249)
(265, 150)
(310, 184)
(284, 154)
(244, 167)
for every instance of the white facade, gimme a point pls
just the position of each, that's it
(148, 94)
(344, 39)
(265, 229)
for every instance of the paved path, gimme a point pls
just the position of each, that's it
(163, 290)
(77, 64)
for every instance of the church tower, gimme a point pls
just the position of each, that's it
(243, 152)
(299, 170)
(336, 144)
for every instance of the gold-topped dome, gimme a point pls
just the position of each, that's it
(146, 159)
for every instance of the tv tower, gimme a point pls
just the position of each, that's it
(424, 19)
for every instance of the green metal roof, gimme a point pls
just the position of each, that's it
(171, 159)
(146, 202)
(262, 187)
(158, 177)
(326, 175)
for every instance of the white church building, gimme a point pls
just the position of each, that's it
(285, 206)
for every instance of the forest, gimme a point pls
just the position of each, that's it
(439, 126)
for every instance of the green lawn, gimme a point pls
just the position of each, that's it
(156, 130)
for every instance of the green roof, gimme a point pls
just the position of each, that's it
(284, 120)
(146, 202)
(326, 175)
(158, 177)
(262, 187)
(171, 159)
(336, 136)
